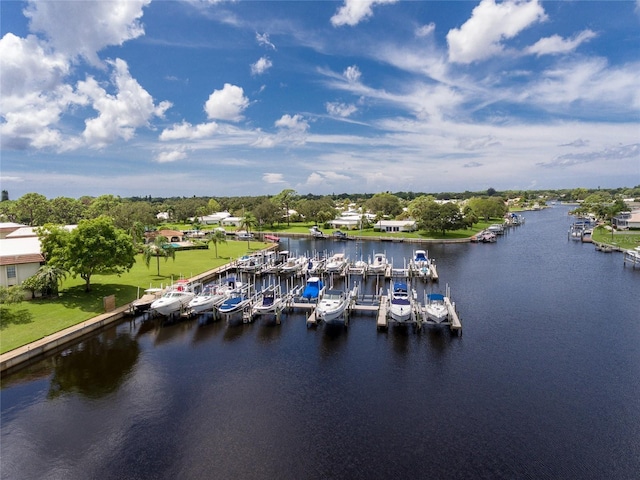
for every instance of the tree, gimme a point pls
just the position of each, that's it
(160, 247)
(12, 294)
(32, 209)
(248, 222)
(103, 205)
(267, 213)
(386, 203)
(65, 211)
(285, 198)
(95, 247)
(213, 206)
(219, 236)
(46, 280)
(317, 210)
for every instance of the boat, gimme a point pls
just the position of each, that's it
(332, 307)
(340, 235)
(143, 304)
(272, 238)
(268, 301)
(400, 303)
(379, 264)
(250, 263)
(420, 264)
(496, 228)
(336, 263)
(313, 290)
(293, 264)
(435, 308)
(213, 295)
(235, 302)
(316, 232)
(175, 299)
(484, 236)
(315, 265)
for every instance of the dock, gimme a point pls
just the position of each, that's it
(454, 320)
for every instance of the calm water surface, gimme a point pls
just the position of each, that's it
(544, 382)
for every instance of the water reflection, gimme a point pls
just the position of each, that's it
(95, 367)
(207, 328)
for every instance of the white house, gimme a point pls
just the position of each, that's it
(214, 218)
(20, 258)
(231, 221)
(627, 220)
(396, 226)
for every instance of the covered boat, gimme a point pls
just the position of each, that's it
(435, 308)
(400, 303)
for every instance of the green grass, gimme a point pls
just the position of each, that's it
(31, 320)
(623, 239)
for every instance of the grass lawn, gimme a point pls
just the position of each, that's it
(623, 239)
(31, 320)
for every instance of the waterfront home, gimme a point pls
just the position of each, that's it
(396, 226)
(20, 258)
(627, 220)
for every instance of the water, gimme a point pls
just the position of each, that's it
(544, 382)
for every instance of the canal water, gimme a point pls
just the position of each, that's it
(544, 383)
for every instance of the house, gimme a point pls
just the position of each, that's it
(214, 219)
(231, 221)
(20, 258)
(7, 228)
(171, 235)
(627, 220)
(396, 226)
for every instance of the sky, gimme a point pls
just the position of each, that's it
(232, 98)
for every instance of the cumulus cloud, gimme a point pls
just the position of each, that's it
(352, 74)
(169, 156)
(227, 104)
(354, 11)
(120, 114)
(273, 177)
(481, 36)
(336, 109)
(263, 40)
(262, 65)
(295, 122)
(555, 44)
(186, 131)
(95, 24)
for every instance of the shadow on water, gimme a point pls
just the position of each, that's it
(400, 335)
(334, 338)
(95, 367)
(208, 327)
(268, 329)
(171, 331)
(234, 330)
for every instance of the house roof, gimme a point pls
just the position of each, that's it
(14, 251)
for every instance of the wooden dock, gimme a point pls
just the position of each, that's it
(454, 320)
(383, 321)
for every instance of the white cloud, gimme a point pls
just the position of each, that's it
(120, 114)
(171, 156)
(186, 131)
(609, 154)
(262, 65)
(480, 37)
(555, 44)
(354, 11)
(227, 104)
(295, 122)
(263, 40)
(425, 30)
(352, 73)
(343, 110)
(273, 177)
(85, 28)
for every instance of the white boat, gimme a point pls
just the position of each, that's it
(313, 290)
(379, 263)
(336, 263)
(250, 263)
(235, 302)
(177, 297)
(143, 304)
(400, 303)
(359, 267)
(316, 232)
(268, 301)
(435, 308)
(294, 264)
(496, 228)
(332, 307)
(421, 263)
(212, 296)
(315, 265)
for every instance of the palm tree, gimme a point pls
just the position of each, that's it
(49, 278)
(219, 236)
(248, 222)
(160, 247)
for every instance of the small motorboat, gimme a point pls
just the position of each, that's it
(313, 290)
(400, 303)
(332, 307)
(176, 298)
(435, 308)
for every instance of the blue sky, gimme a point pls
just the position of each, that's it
(225, 98)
